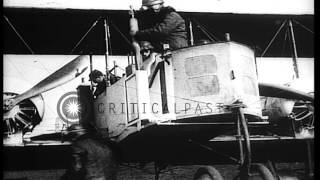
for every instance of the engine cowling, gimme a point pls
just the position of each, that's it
(25, 115)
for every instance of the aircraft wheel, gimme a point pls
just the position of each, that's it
(207, 173)
(260, 171)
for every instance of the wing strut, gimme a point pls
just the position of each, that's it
(93, 25)
(14, 29)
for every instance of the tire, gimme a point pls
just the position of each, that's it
(263, 171)
(207, 173)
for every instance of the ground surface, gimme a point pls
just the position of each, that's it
(146, 173)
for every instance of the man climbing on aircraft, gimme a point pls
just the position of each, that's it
(161, 25)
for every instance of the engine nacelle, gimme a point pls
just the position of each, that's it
(25, 115)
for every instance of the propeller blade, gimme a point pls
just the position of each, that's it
(272, 90)
(63, 75)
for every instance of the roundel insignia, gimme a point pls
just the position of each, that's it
(68, 108)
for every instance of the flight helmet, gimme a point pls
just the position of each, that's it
(148, 3)
(146, 45)
(94, 74)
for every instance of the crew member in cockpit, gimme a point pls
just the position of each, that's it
(99, 80)
(161, 25)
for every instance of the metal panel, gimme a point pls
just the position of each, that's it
(110, 110)
(214, 75)
(246, 82)
(132, 99)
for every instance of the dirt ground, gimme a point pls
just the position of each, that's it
(147, 172)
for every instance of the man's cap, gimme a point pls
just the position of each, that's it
(145, 45)
(95, 73)
(151, 2)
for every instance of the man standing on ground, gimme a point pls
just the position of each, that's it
(93, 157)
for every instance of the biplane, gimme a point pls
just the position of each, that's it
(202, 104)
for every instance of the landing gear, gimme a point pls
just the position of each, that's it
(245, 151)
(247, 169)
(260, 171)
(207, 173)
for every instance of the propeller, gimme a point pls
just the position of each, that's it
(63, 75)
(279, 91)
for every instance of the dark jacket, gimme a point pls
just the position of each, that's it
(165, 27)
(95, 158)
(101, 87)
